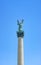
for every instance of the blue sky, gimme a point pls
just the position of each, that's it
(10, 11)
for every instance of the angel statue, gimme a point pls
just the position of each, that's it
(20, 25)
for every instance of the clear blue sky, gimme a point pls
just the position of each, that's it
(10, 11)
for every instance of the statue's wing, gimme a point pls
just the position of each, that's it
(22, 21)
(17, 22)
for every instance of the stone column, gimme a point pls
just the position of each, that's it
(20, 35)
(20, 51)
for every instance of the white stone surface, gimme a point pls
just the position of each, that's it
(20, 51)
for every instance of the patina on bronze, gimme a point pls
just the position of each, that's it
(20, 32)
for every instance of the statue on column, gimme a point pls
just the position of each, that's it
(20, 25)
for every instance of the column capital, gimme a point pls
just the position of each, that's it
(20, 34)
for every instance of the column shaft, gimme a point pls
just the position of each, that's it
(20, 51)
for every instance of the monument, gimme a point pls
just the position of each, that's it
(20, 35)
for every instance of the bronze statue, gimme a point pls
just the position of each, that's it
(20, 25)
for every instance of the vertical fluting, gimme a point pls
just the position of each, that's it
(20, 51)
